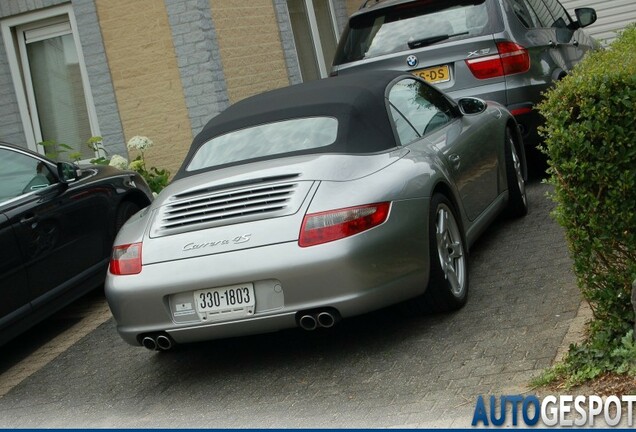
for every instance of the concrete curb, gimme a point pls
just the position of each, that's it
(576, 332)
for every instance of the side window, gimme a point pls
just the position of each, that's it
(541, 12)
(423, 107)
(525, 13)
(405, 131)
(561, 17)
(550, 13)
(21, 174)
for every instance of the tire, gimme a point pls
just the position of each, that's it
(124, 212)
(517, 196)
(448, 281)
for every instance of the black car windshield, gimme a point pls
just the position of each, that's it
(268, 139)
(408, 26)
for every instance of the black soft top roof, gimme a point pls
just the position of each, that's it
(357, 101)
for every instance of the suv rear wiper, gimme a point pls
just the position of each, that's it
(432, 40)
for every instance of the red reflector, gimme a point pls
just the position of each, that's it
(512, 58)
(520, 111)
(333, 225)
(126, 259)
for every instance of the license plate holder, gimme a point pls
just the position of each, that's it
(225, 303)
(434, 75)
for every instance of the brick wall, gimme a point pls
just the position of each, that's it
(353, 5)
(199, 59)
(250, 45)
(287, 41)
(138, 44)
(101, 85)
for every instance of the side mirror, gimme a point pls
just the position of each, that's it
(471, 106)
(68, 172)
(585, 16)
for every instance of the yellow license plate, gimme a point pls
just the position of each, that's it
(435, 74)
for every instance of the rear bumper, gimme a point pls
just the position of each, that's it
(529, 121)
(365, 272)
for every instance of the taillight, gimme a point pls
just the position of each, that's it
(126, 259)
(520, 111)
(332, 225)
(512, 58)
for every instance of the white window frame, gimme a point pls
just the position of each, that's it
(315, 36)
(13, 29)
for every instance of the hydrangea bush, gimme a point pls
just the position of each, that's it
(139, 143)
(156, 178)
(118, 162)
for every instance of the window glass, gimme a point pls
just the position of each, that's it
(54, 79)
(59, 93)
(21, 174)
(542, 12)
(393, 29)
(265, 140)
(525, 14)
(559, 15)
(424, 107)
(550, 13)
(405, 131)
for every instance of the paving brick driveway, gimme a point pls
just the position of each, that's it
(387, 369)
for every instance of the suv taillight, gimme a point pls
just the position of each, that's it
(512, 58)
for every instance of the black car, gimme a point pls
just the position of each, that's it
(57, 225)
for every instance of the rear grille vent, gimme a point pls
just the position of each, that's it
(191, 211)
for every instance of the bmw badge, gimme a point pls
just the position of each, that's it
(411, 61)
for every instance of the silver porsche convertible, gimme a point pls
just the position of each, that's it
(317, 202)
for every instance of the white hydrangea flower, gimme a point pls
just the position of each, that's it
(140, 143)
(136, 165)
(118, 162)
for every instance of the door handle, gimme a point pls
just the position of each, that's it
(28, 219)
(454, 160)
(575, 43)
(552, 44)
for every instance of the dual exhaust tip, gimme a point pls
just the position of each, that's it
(159, 342)
(309, 321)
(326, 318)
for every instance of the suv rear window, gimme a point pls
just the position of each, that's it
(411, 25)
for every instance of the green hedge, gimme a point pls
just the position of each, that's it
(590, 141)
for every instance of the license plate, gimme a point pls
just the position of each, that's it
(433, 75)
(233, 298)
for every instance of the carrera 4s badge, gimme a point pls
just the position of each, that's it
(236, 240)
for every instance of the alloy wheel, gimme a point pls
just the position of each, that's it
(450, 250)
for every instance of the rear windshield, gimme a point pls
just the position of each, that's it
(410, 26)
(287, 136)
